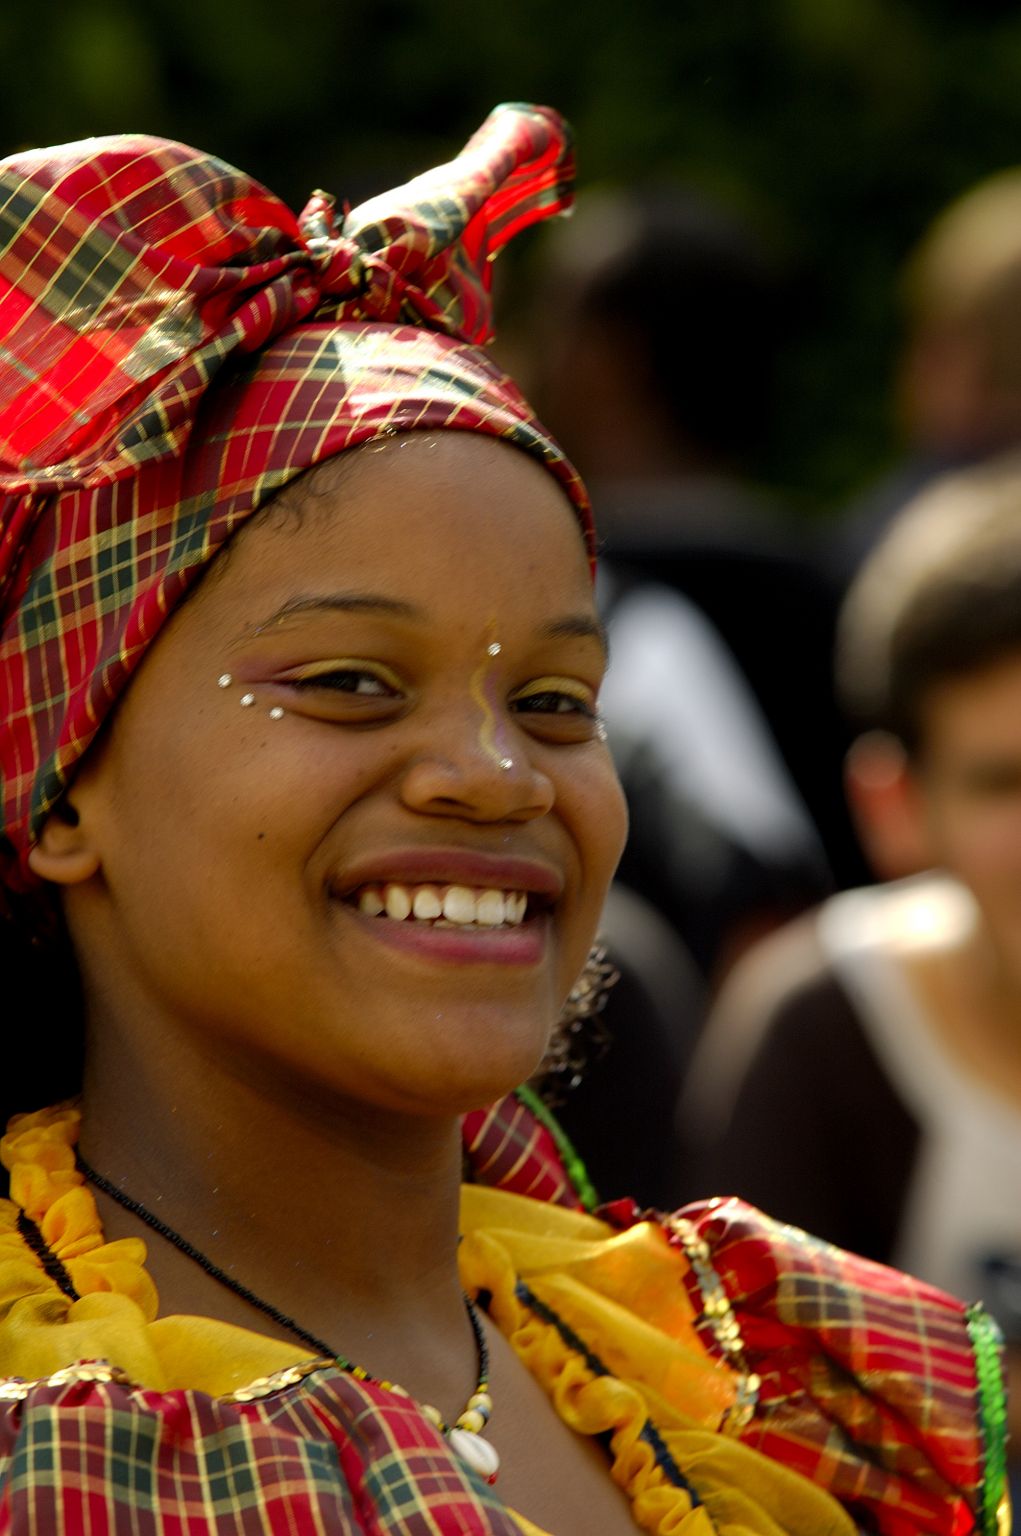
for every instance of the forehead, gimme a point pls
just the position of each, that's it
(975, 712)
(455, 515)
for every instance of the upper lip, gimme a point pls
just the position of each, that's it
(450, 866)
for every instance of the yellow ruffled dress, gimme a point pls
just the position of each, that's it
(600, 1318)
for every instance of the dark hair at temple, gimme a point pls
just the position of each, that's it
(45, 1011)
(938, 600)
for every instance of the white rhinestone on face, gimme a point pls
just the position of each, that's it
(276, 713)
(494, 649)
(224, 680)
(506, 763)
(247, 700)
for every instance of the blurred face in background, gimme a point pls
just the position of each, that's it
(967, 794)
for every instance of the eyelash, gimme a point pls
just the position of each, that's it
(330, 680)
(578, 706)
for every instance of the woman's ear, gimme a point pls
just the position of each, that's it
(886, 807)
(64, 853)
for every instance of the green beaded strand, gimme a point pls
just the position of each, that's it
(987, 1342)
(575, 1168)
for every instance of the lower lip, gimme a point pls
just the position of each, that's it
(524, 945)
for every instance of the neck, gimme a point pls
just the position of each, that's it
(972, 998)
(344, 1217)
(995, 985)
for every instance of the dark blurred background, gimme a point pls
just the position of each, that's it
(838, 127)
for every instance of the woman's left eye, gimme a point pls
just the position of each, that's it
(550, 702)
(556, 711)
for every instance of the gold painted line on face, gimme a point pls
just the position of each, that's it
(484, 693)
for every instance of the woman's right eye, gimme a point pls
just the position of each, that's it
(346, 680)
(347, 691)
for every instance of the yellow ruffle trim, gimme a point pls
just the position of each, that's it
(38, 1151)
(623, 1296)
(621, 1293)
(42, 1330)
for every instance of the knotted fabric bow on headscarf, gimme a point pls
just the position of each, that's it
(176, 347)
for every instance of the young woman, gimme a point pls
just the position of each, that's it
(302, 765)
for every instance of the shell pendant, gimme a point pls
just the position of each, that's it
(478, 1453)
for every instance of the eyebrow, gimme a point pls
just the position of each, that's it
(577, 626)
(572, 627)
(341, 602)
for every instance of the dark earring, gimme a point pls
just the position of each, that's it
(579, 1036)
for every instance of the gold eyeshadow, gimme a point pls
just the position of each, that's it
(570, 686)
(321, 670)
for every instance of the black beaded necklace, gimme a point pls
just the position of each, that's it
(463, 1434)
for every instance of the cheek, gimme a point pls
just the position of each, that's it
(192, 806)
(598, 814)
(617, 823)
(222, 773)
(604, 833)
(982, 843)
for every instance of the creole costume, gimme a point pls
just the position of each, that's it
(176, 348)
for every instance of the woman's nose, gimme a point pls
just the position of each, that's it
(468, 771)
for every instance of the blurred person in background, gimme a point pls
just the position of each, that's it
(720, 630)
(958, 380)
(861, 1074)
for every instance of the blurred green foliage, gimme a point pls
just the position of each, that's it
(839, 126)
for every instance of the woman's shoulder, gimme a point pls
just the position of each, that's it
(69, 1295)
(884, 1392)
(860, 1370)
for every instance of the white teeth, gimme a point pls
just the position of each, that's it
(427, 903)
(489, 908)
(459, 905)
(398, 903)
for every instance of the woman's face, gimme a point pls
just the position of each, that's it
(383, 699)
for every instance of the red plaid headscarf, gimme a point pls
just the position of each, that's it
(175, 346)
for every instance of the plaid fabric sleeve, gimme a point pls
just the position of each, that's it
(881, 1388)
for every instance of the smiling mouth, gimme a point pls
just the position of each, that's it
(463, 907)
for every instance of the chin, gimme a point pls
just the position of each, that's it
(492, 1082)
(471, 1066)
